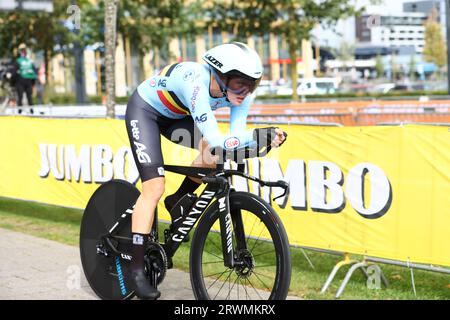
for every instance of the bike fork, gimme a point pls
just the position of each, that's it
(226, 230)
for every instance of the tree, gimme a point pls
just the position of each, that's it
(291, 19)
(379, 66)
(394, 67)
(44, 31)
(435, 49)
(412, 67)
(151, 24)
(110, 53)
(346, 52)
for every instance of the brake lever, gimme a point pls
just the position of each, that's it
(281, 196)
(285, 186)
(280, 184)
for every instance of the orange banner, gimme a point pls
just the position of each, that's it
(352, 113)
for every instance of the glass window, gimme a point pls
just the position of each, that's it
(325, 85)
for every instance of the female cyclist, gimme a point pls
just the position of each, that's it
(178, 103)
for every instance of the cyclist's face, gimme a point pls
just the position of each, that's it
(241, 86)
(239, 89)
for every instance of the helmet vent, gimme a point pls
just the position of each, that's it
(240, 45)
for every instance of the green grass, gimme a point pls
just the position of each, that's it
(45, 221)
(62, 225)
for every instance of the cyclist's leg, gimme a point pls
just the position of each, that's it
(144, 135)
(143, 129)
(184, 132)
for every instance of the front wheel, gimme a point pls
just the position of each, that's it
(261, 252)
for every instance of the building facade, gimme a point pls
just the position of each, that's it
(130, 71)
(427, 7)
(399, 30)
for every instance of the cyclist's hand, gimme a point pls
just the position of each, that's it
(279, 139)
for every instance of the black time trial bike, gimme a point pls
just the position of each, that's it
(239, 249)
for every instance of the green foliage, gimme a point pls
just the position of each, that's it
(291, 19)
(435, 49)
(39, 30)
(41, 211)
(379, 66)
(346, 51)
(412, 67)
(62, 225)
(149, 24)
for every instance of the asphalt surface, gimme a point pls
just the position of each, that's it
(33, 268)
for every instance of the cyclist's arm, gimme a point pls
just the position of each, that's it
(197, 98)
(238, 119)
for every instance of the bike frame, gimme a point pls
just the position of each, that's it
(218, 187)
(190, 219)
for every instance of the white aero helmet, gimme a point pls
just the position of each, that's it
(236, 59)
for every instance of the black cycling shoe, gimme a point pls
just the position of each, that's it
(143, 289)
(169, 203)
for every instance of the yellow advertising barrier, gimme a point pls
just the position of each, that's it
(377, 191)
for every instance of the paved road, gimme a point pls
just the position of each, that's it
(34, 268)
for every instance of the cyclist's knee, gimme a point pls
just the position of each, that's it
(153, 189)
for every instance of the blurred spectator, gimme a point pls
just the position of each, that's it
(26, 77)
(8, 81)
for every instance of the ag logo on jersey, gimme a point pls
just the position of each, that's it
(232, 142)
(142, 156)
(202, 118)
(162, 83)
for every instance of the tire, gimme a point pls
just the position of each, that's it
(107, 276)
(270, 261)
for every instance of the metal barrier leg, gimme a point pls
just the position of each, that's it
(380, 272)
(364, 272)
(336, 268)
(348, 276)
(307, 259)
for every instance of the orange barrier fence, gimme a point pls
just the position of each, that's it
(351, 113)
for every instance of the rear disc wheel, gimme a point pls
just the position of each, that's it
(107, 273)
